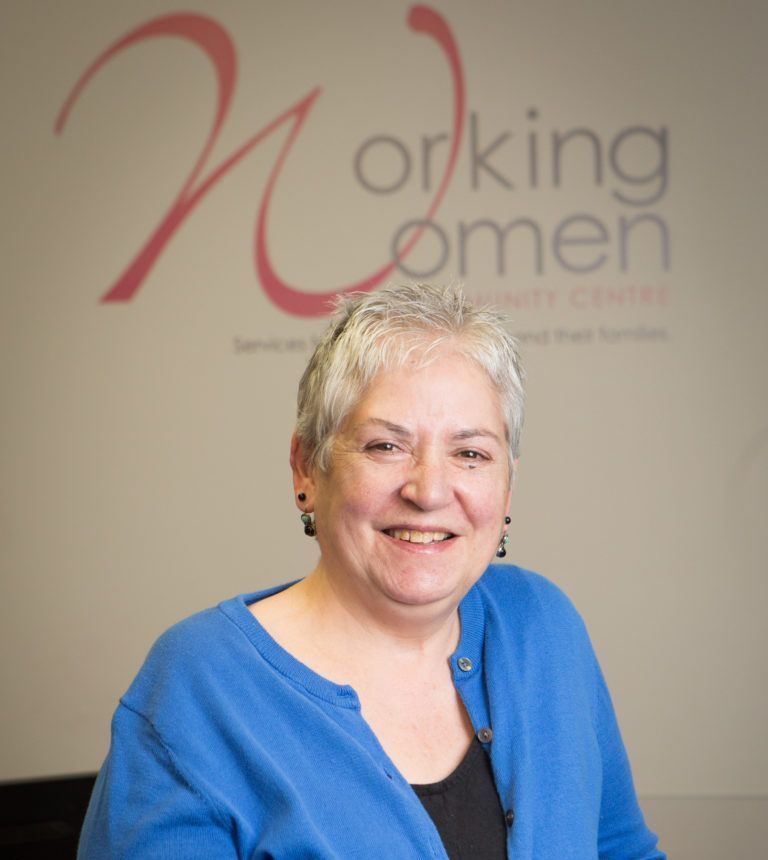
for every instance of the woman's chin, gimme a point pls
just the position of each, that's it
(421, 591)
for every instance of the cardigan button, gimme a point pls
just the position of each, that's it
(465, 664)
(485, 735)
(509, 817)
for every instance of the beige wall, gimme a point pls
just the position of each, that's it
(144, 457)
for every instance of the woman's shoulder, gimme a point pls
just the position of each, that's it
(529, 616)
(516, 585)
(202, 652)
(528, 601)
(189, 639)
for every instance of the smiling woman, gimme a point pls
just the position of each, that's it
(423, 453)
(406, 698)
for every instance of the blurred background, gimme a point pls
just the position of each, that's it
(182, 189)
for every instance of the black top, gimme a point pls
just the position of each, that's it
(466, 810)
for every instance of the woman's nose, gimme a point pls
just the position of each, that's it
(427, 483)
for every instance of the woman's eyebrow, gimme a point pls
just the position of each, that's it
(475, 432)
(398, 429)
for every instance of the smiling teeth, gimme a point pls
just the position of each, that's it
(417, 537)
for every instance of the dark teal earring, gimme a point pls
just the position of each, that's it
(502, 550)
(309, 525)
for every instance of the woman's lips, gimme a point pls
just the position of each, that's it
(414, 536)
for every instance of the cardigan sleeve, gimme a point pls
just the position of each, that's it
(623, 834)
(144, 806)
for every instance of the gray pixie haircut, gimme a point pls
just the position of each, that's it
(370, 332)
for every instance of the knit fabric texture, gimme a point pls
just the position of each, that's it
(226, 746)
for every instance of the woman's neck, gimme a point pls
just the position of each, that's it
(340, 634)
(360, 615)
(397, 662)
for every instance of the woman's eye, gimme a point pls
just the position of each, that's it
(471, 454)
(382, 446)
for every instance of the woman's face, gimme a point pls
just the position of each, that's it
(412, 507)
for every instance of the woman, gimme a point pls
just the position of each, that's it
(405, 699)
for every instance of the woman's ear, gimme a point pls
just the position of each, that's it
(303, 475)
(515, 464)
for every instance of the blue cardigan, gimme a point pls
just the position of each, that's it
(226, 746)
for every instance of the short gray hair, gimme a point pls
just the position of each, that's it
(374, 331)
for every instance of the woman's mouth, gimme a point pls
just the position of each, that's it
(413, 536)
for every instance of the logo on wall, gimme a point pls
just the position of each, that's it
(578, 243)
